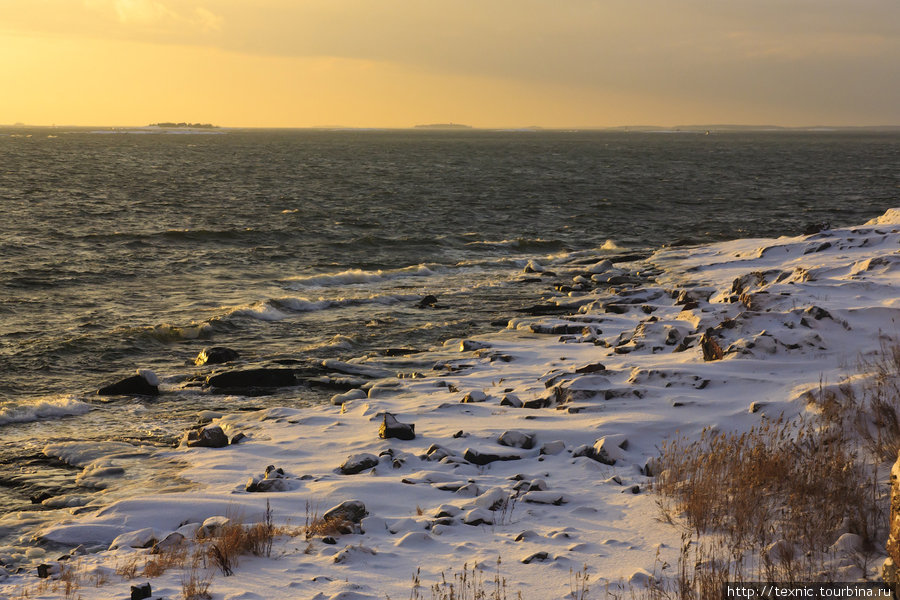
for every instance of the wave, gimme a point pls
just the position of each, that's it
(354, 276)
(278, 309)
(49, 408)
(519, 244)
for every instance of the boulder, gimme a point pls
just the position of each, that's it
(142, 538)
(516, 439)
(207, 437)
(511, 400)
(355, 394)
(357, 463)
(429, 301)
(478, 458)
(140, 592)
(392, 428)
(253, 378)
(554, 447)
(350, 510)
(710, 346)
(145, 383)
(216, 355)
(474, 396)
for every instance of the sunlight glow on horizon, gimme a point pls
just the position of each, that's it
(587, 63)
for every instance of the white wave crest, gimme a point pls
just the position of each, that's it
(48, 408)
(355, 276)
(278, 309)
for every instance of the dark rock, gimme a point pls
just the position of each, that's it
(329, 540)
(253, 378)
(136, 385)
(511, 400)
(474, 396)
(357, 463)
(428, 301)
(536, 403)
(537, 556)
(392, 428)
(710, 346)
(592, 452)
(351, 510)
(477, 458)
(216, 356)
(43, 571)
(237, 439)
(818, 313)
(139, 592)
(545, 309)
(590, 368)
(40, 497)
(816, 227)
(208, 437)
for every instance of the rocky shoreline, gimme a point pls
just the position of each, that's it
(535, 443)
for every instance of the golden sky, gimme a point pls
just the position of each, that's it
(486, 63)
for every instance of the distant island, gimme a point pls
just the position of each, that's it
(444, 126)
(185, 125)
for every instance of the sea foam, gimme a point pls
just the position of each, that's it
(45, 408)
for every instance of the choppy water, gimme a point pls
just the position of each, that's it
(125, 250)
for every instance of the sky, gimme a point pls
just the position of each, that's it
(485, 63)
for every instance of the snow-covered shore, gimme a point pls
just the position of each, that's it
(605, 384)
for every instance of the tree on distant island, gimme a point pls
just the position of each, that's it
(184, 125)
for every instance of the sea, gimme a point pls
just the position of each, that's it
(123, 249)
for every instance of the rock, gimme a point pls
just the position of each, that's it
(216, 355)
(478, 516)
(554, 447)
(173, 540)
(474, 396)
(429, 301)
(511, 400)
(45, 571)
(544, 497)
(212, 526)
(208, 437)
(537, 556)
(140, 592)
(533, 267)
(611, 447)
(600, 267)
(471, 345)
(516, 439)
(392, 428)
(329, 540)
(357, 463)
(142, 538)
(478, 458)
(710, 346)
(591, 368)
(253, 378)
(591, 452)
(237, 439)
(816, 227)
(492, 499)
(357, 394)
(353, 511)
(136, 385)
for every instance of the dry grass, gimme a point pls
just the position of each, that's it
(769, 503)
(467, 584)
(158, 564)
(316, 526)
(196, 580)
(235, 540)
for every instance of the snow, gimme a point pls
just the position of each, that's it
(803, 309)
